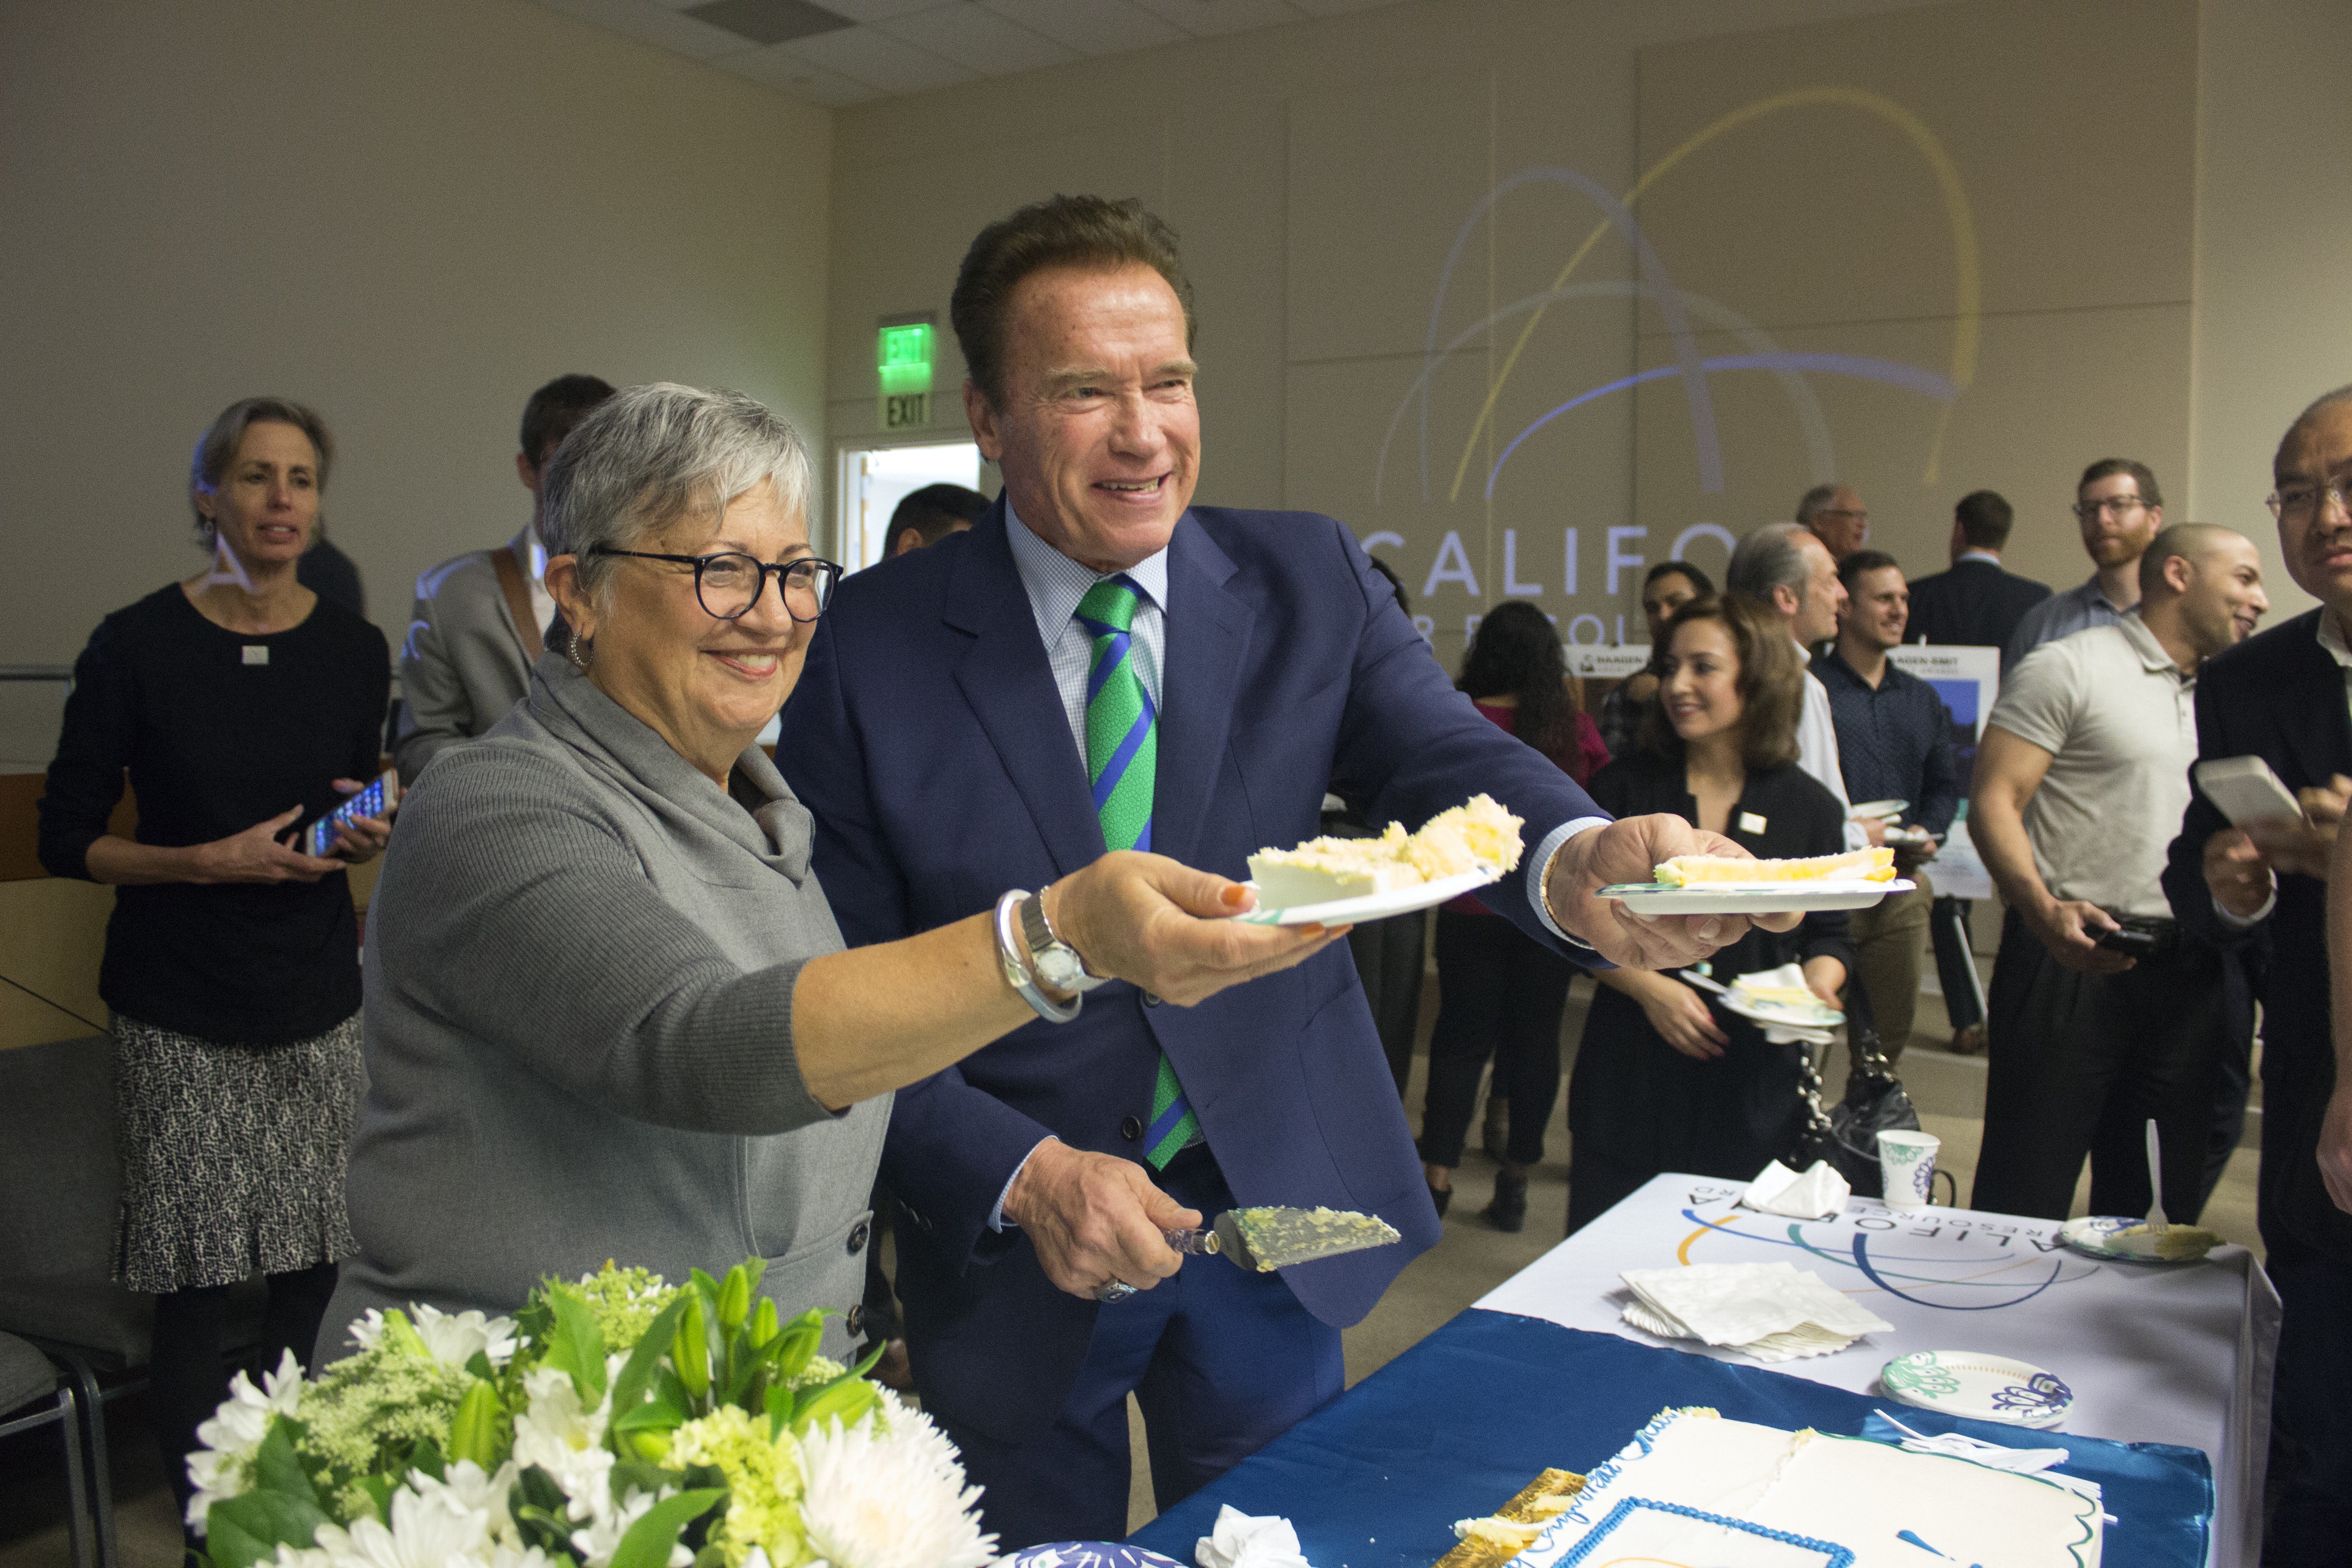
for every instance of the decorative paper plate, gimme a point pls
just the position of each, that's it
(1374, 906)
(1981, 1387)
(1086, 1554)
(2093, 1235)
(1751, 898)
(1879, 808)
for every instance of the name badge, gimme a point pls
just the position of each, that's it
(257, 653)
(1748, 821)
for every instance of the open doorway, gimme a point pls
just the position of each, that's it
(874, 480)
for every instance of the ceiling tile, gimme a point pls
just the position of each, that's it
(639, 19)
(1089, 27)
(769, 21)
(777, 67)
(882, 10)
(976, 40)
(878, 59)
(1207, 18)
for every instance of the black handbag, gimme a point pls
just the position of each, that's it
(1847, 1137)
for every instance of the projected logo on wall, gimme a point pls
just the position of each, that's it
(1406, 457)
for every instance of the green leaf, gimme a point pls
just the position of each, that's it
(648, 1543)
(474, 1430)
(778, 1402)
(577, 1346)
(379, 1490)
(844, 1399)
(637, 1378)
(277, 1468)
(537, 1505)
(765, 1325)
(425, 1455)
(247, 1528)
(479, 1364)
(636, 1475)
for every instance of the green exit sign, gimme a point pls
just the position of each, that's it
(903, 353)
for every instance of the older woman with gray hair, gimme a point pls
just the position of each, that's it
(609, 1014)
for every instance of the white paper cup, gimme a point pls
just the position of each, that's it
(1907, 1166)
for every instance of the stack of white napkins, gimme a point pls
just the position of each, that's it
(1819, 1193)
(1771, 1311)
(1249, 1541)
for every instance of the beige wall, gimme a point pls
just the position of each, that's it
(2122, 163)
(408, 215)
(2273, 322)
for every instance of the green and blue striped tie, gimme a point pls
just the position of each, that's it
(1122, 754)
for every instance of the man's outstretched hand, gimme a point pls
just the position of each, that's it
(1627, 851)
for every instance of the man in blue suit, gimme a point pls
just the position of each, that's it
(1100, 665)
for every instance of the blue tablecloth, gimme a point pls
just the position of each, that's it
(1457, 1425)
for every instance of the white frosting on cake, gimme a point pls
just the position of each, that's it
(1478, 836)
(1693, 1489)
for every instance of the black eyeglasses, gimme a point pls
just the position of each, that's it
(729, 584)
(2087, 510)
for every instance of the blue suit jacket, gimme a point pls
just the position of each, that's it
(2278, 696)
(927, 738)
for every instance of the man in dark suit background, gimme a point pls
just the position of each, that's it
(981, 714)
(2281, 696)
(1975, 603)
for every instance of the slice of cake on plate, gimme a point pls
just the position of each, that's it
(1479, 836)
(1875, 864)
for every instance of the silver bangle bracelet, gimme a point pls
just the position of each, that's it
(1014, 954)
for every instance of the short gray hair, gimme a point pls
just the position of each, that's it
(1817, 500)
(1771, 557)
(650, 455)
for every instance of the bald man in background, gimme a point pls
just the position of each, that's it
(2105, 1013)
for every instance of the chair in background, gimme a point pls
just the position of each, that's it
(31, 1383)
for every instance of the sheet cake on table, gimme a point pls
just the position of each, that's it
(1695, 1489)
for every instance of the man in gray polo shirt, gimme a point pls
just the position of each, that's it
(2080, 780)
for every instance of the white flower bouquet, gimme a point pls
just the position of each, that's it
(619, 1422)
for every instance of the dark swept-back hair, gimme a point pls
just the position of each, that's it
(1061, 231)
(1985, 517)
(935, 512)
(2138, 470)
(555, 408)
(1516, 650)
(1850, 569)
(216, 448)
(1699, 579)
(1770, 683)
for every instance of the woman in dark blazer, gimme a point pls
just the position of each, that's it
(1664, 1080)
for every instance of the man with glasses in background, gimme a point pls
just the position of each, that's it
(2264, 891)
(1837, 517)
(2120, 511)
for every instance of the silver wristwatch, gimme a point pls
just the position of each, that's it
(1058, 963)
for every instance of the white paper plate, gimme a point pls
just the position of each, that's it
(1751, 898)
(1883, 808)
(1981, 1387)
(1374, 906)
(2091, 1234)
(1813, 1018)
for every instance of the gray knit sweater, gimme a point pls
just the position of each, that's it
(580, 966)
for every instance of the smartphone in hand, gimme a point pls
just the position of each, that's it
(379, 797)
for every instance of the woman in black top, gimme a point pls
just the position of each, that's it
(241, 705)
(1664, 1079)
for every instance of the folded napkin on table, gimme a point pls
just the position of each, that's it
(1819, 1193)
(1240, 1540)
(1768, 1311)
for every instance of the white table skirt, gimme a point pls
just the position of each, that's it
(2154, 1353)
